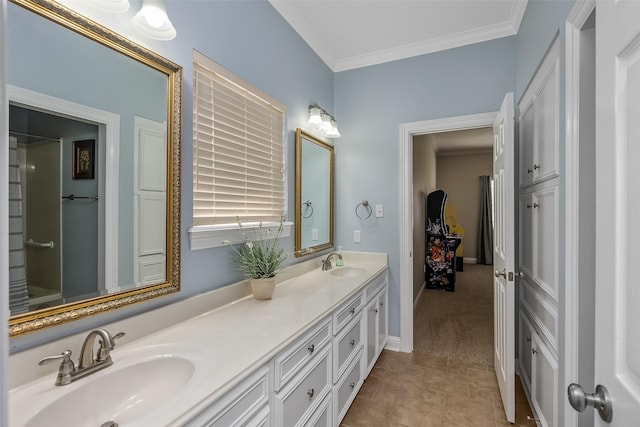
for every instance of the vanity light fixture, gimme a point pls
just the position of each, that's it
(152, 21)
(322, 123)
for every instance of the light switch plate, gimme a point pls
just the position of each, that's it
(356, 236)
(314, 234)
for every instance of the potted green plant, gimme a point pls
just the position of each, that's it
(260, 259)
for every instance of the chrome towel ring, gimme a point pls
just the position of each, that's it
(365, 204)
(309, 206)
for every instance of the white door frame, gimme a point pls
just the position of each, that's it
(407, 132)
(108, 190)
(575, 21)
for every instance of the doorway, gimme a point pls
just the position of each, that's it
(458, 324)
(59, 204)
(407, 133)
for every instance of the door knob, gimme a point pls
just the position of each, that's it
(499, 273)
(600, 400)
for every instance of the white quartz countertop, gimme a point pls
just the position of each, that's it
(234, 340)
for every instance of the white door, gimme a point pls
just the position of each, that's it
(503, 256)
(617, 332)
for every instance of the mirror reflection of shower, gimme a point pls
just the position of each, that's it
(52, 238)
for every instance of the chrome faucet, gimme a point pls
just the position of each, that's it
(326, 264)
(87, 363)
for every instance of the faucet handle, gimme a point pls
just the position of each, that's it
(66, 366)
(103, 351)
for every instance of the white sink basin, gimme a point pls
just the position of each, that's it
(145, 381)
(347, 271)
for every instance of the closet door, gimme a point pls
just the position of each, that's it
(547, 129)
(527, 142)
(546, 239)
(526, 234)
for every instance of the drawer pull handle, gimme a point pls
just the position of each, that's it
(375, 310)
(311, 348)
(311, 392)
(528, 339)
(352, 342)
(381, 302)
(353, 310)
(352, 384)
(534, 351)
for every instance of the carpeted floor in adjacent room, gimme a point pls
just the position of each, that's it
(458, 325)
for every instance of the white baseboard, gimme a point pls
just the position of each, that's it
(415, 302)
(393, 343)
(466, 260)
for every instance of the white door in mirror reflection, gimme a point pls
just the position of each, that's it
(149, 201)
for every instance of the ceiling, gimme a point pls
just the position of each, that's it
(349, 34)
(469, 141)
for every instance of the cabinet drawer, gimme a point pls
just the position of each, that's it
(239, 406)
(347, 311)
(346, 345)
(323, 416)
(376, 284)
(290, 361)
(305, 392)
(345, 391)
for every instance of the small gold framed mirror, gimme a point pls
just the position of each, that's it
(314, 194)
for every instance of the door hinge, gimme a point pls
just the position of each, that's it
(511, 276)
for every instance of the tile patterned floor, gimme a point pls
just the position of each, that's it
(420, 390)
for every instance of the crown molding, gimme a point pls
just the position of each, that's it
(491, 32)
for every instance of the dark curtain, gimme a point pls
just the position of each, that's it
(485, 229)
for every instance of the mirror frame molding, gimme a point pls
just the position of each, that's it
(299, 250)
(40, 319)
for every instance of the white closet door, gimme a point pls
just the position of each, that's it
(150, 196)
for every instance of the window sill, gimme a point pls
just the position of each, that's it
(214, 236)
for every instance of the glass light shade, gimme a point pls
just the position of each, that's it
(333, 132)
(326, 125)
(315, 121)
(152, 21)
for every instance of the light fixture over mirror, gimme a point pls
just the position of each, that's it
(152, 21)
(133, 206)
(322, 123)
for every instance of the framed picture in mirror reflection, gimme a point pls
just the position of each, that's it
(84, 159)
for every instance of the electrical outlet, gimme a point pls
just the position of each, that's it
(356, 236)
(314, 234)
(379, 211)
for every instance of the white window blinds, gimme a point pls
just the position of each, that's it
(238, 153)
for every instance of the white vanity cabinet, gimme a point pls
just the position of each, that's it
(313, 380)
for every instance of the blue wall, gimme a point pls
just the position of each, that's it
(372, 102)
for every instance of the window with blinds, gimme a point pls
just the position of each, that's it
(238, 149)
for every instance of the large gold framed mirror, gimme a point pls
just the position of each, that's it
(314, 194)
(94, 164)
